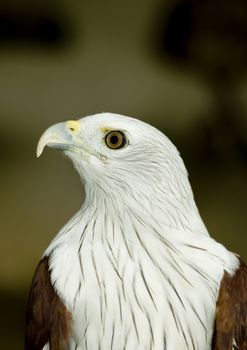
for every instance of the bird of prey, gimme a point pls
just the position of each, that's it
(135, 268)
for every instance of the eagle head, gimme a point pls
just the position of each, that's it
(125, 160)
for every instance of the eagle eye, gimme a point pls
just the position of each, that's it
(115, 139)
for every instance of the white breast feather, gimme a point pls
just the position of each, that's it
(129, 290)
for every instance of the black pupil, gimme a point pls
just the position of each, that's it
(114, 140)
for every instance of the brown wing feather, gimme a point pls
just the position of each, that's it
(47, 319)
(231, 314)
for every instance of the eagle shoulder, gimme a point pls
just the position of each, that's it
(47, 319)
(231, 311)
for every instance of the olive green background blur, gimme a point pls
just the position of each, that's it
(179, 65)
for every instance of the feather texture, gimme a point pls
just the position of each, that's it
(231, 316)
(47, 319)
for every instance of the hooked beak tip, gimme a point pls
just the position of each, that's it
(39, 150)
(55, 136)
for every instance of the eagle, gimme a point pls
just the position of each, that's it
(135, 268)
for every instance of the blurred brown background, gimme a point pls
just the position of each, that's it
(180, 65)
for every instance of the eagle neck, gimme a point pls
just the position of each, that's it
(156, 209)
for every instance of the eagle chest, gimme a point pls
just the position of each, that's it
(119, 301)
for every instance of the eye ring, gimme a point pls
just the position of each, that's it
(115, 139)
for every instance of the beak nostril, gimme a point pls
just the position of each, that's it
(73, 125)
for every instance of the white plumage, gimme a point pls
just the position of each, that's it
(135, 266)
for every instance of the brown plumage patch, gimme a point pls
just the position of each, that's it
(47, 319)
(231, 315)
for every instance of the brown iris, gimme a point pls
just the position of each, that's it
(115, 139)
